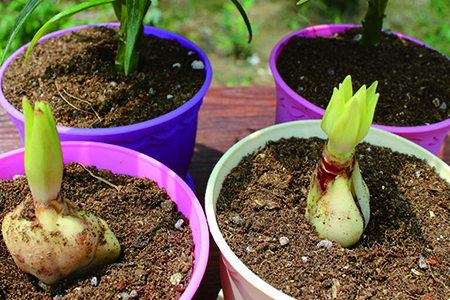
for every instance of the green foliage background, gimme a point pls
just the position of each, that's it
(215, 25)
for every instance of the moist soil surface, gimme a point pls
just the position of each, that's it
(156, 259)
(403, 253)
(75, 74)
(413, 80)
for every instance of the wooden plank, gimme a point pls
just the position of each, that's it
(226, 116)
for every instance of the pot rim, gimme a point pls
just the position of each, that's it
(340, 28)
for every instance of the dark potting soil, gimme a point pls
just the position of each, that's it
(156, 260)
(413, 80)
(403, 254)
(75, 74)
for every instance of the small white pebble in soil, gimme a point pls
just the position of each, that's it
(113, 83)
(179, 223)
(249, 249)
(176, 65)
(261, 155)
(304, 258)
(284, 241)
(415, 272)
(169, 96)
(191, 52)
(423, 264)
(197, 65)
(151, 91)
(325, 244)
(133, 294)
(443, 106)
(94, 281)
(237, 220)
(357, 38)
(432, 215)
(175, 279)
(18, 176)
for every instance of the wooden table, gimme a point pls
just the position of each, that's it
(226, 116)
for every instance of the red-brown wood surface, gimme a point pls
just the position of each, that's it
(226, 116)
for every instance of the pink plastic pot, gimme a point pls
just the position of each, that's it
(121, 160)
(291, 106)
(169, 138)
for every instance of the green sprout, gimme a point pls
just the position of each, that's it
(130, 14)
(60, 239)
(338, 198)
(372, 23)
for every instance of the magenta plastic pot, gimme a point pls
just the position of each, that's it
(169, 138)
(291, 106)
(121, 160)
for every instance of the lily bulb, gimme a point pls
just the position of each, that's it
(49, 237)
(338, 198)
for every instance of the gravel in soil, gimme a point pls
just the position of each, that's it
(75, 74)
(413, 80)
(156, 260)
(403, 253)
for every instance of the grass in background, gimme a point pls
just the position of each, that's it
(220, 32)
(10, 9)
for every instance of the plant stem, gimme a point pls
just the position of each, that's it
(373, 23)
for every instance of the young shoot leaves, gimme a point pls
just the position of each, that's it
(60, 239)
(43, 159)
(338, 198)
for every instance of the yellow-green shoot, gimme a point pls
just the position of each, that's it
(60, 239)
(338, 199)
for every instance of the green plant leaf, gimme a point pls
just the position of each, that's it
(117, 6)
(136, 10)
(29, 120)
(43, 159)
(245, 18)
(26, 11)
(59, 17)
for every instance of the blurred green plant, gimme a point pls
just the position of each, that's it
(435, 31)
(130, 14)
(229, 38)
(10, 10)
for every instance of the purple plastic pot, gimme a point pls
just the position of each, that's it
(121, 160)
(169, 138)
(291, 106)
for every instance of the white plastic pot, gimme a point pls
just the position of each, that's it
(238, 281)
